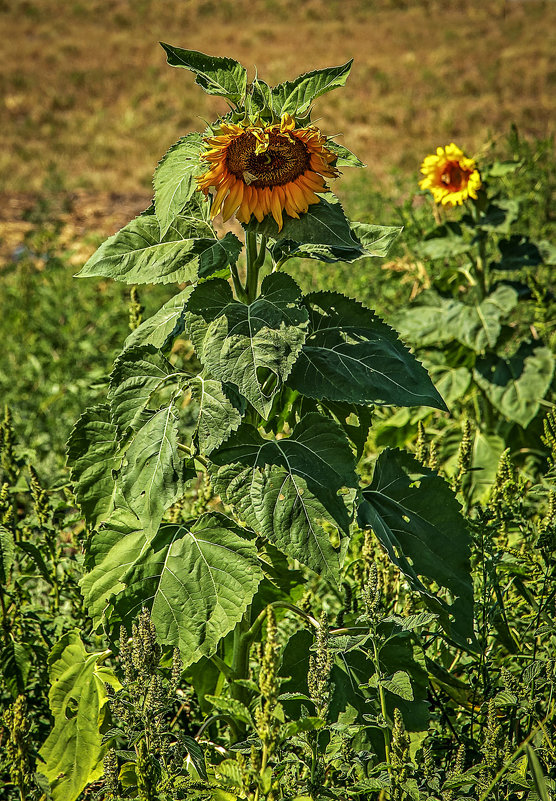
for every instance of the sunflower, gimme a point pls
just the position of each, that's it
(263, 170)
(450, 176)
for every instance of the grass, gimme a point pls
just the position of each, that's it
(88, 95)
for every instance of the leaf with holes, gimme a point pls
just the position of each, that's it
(252, 346)
(73, 751)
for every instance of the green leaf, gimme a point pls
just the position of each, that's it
(516, 385)
(518, 252)
(197, 580)
(139, 255)
(317, 451)
(287, 489)
(94, 455)
(417, 519)
(344, 157)
(476, 326)
(232, 707)
(351, 355)
(260, 99)
(376, 239)
(444, 242)
(174, 179)
(295, 97)
(217, 76)
(153, 474)
(325, 233)
(451, 382)
(73, 751)
(112, 549)
(539, 779)
(499, 215)
(487, 449)
(399, 684)
(197, 755)
(138, 373)
(220, 411)
(357, 430)
(7, 554)
(15, 663)
(252, 346)
(164, 326)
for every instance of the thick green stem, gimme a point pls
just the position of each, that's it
(252, 266)
(240, 657)
(238, 286)
(481, 262)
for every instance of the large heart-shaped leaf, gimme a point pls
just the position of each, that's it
(188, 251)
(217, 76)
(278, 504)
(477, 326)
(197, 581)
(516, 385)
(351, 355)
(417, 519)
(286, 489)
(252, 346)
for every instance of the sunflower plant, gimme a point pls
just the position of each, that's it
(481, 325)
(263, 417)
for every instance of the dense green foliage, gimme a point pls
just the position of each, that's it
(239, 592)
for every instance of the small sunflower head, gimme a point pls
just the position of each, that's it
(259, 169)
(450, 175)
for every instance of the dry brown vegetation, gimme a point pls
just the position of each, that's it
(89, 104)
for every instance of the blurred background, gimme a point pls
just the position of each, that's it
(88, 106)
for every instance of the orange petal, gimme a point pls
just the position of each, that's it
(220, 195)
(257, 209)
(233, 200)
(276, 207)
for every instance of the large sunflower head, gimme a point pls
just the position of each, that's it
(450, 176)
(265, 169)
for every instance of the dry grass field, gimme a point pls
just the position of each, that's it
(87, 100)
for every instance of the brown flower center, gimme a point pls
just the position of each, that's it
(283, 161)
(453, 176)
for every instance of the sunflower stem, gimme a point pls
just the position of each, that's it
(252, 266)
(262, 252)
(238, 286)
